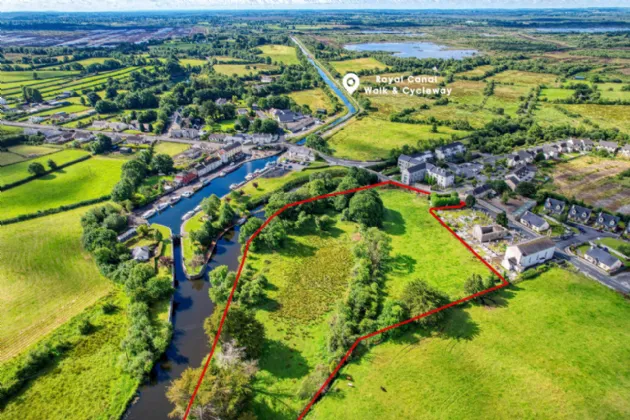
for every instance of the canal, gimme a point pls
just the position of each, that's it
(192, 305)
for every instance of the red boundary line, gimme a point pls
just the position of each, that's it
(432, 210)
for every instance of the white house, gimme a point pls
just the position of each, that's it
(625, 151)
(534, 222)
(450, 151)
(3, 101)
(228, 152)
(419, 172)
(302, 154)
(527, 254)
(609, 146)
(602, 259)
(406, 162)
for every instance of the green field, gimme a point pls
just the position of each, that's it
(19, 76)
(552, 347)
(280, 53)
(46, 278)
(170, 148)
(19, 171)
(192, 62)
(525, 78)
(606, 116)
(477, 71)
(314, 98)
(357, 64)
(83, 181)
(353, 140)
(242, 69)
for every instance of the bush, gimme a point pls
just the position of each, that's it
(86, 327)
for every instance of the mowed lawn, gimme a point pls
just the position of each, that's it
(46, 278)
(18, 171)
(280, 53)
(357, 64)
(556, 347)
(86, 180)
(423, 249)
(314, 98)
(170, 148)
(372, 139)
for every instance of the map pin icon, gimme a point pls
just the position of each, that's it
(351, 82)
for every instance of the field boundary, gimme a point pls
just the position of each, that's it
(332, 376)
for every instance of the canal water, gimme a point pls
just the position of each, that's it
(189, 345)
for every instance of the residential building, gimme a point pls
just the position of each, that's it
(609, 146)
(488, 233)
(242, 111)
(83, 137)
(301, 124)
(229, 152)
(554, 206)
(607, 221)
(35, 119)
(579, 214)
(450, 151)
(405, 161)
(185, 178)
(213, 162)
(602, 259)
(549, 152)
(520, 157)
(266, 79)
(3, 101)
(300, 153)
(185, 133)
(534, 222)
(528, 254)
(512, 182)
(625, 151)
(221, 101)
(418, 173)
(482, 191)
(587, 145)
(141, 253)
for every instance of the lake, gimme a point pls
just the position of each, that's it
(413, 49)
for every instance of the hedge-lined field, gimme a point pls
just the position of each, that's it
(18, 171)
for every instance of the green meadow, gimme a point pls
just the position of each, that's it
(19, 171)
(280, 53)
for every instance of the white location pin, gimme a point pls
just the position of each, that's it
(351, 82)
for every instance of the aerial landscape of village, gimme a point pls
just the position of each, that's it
(314, 210)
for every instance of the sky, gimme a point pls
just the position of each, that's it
(136, 5)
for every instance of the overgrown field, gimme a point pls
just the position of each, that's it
(552, 347)
(594, 180)
(358, 64)
(85, 180)
(242, 69)
(46, 278)
(314, 98)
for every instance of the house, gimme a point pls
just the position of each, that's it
(266, 79)
(141, 253)
(125, 150)
(65, 94)
(550, 152)
(35, 119)
(488, 233)
(554, 206)
(83, 137)
(3, 101)
(520, 157)
(261, 115)
(405, 161)
(100, 124)
(242, 111)
(450, 151)
(185, 178)
(512, 182)
(192, 153)
(609, 146)
(300, 125)
(579, 214)
(602, 259)
(118, 126)
(587, 145)
(482, 191)
(534, 222)
(185, 133)
(420, 172)
(123, 237)
(284, 116)
(607, 221)
(302, 154)
(230, 151)
(60, 138)
(523, 173)
(469, 169)
(212, 163)
(177, 120)
(221, 101)
(573, 145)
(527, 254)
(625, 151)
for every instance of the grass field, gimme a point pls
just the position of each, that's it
(353, 142)
(351, 66)
(28, 150)
(192, 61)
(314, 98)
(19, 76)
(83, 181)
(280, 53)
(46, 278)
(8, 158)
(552, 347)
(477, 71)
(242, 69)
(171, 148)
(594, 180)
(19, 171)
(525, 78)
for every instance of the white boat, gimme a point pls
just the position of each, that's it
(233, 186)
(187, 194)
(188, 215)
(198, 208)
(222, 173)
(249, 176)
(148, 214)
(162, 206)
(232, 164)
(257, 171)
(205, 181)
(174, 199)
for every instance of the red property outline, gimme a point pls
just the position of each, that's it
(432, 210)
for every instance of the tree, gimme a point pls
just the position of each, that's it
(111, 93)
(420, 298)
(93, 98)
(394, 311)
(475, 284)
(163, 163)
(269, 126)
(222, 281)
(470, 201)
(36, 168)
(526, 189)
(241, 326)
(274, 234)
(243, 121)
(135, 171)
(106, 107)
(115, 222)
(317, 142)
(375, 246)
(502, 219)
(52, 164)
(505, 197)
(226, 214)
(248, 229)
(366, 208)
(123, 190)
(103, 144)
(211, 205)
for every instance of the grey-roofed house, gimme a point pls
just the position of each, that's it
(579, 213)
(587, 144)
(128, 234)
(554, 206)
(609, 146)
(141, 253)
(602, 259)
(607, 221)
(406, 161)
(550, 152)
(527, 254)
(450, 150)
(625, 151)
(221, 101)
(520, 157)
(534, 222)
(481, 191)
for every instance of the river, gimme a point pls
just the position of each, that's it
(192, 305)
